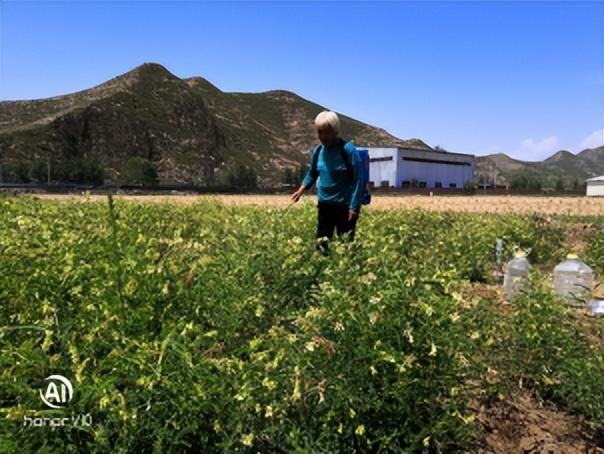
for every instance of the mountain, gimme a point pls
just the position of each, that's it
(562, 165)
(188, 130)
(595, 156)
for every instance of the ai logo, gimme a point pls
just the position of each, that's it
(58, 391)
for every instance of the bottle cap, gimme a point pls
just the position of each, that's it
(572, 255)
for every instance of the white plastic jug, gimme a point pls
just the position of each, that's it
(516, 271)
(573, 280)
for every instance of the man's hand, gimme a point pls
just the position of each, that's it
(296, 195)
(352, 214)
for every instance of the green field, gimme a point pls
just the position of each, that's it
(215, 328)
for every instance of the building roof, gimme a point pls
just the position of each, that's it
(600, 178)
(418, 149)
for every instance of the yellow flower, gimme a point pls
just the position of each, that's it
(426, 441)
(409, 335)
(269, 411)
(428, 309)
(360, 430)
(268, 383)
(296, 395)
(373, 317)
(373, 370)
(217, 427)
(165, 289)
(432, 350)
(47, 340)
(340, 428)
(104, 402)
(247, 439)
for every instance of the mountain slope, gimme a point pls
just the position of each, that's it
(189, 129)
(561, 165)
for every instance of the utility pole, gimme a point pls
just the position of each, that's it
(493, 174)
(48, 168)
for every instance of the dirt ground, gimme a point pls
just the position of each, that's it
(522, 425)
(588, 206)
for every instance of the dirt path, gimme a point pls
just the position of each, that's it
(588, 206)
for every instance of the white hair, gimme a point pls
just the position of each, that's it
(330, 118)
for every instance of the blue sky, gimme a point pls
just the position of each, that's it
(520, 77)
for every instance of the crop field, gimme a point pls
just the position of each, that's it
(213, 325)
(585, 206)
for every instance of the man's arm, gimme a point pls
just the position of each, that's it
(357, 182)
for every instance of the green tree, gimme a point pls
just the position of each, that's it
(288, 177)
(79, 170)
(242, 176)
(559, 184)
(18, 172)
(469, 187)
(39, 171)
(139, 170)
(527, 181)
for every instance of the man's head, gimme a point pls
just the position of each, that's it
(328, 126)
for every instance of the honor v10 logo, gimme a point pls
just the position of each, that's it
(57, 394)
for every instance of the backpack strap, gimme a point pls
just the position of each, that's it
(315, 158)
(341, 144)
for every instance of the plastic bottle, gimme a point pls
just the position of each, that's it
(516, 271)
(573, 280)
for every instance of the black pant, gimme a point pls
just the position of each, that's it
(333, 215)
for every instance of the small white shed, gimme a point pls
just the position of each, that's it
(595, 186)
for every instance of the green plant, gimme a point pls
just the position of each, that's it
(209, 327)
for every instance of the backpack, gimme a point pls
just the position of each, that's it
(366, 197)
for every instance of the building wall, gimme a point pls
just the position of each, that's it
(595, 188)
(384, 169)
(420, 165)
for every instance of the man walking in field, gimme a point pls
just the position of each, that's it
(337, 165)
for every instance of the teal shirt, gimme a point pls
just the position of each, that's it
(334, 184)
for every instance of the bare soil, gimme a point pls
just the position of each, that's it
(585, 206)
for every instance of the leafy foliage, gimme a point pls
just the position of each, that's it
(211, 327)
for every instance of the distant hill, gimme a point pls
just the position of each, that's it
(561, 165)
(187, 130)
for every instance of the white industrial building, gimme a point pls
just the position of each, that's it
(404, 167)
(595, 186)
